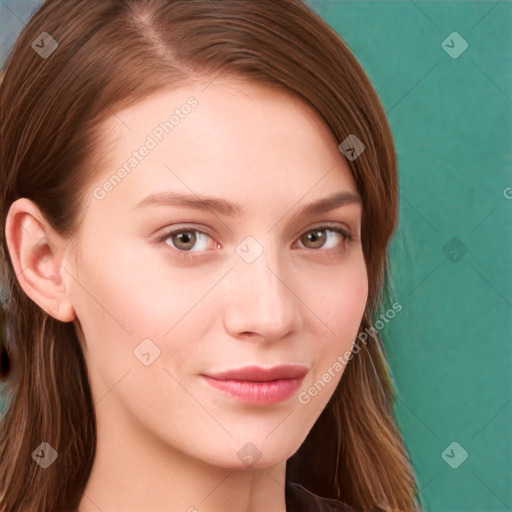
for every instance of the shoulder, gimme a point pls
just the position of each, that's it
(299, 499)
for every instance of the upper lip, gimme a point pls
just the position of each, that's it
(261, 374)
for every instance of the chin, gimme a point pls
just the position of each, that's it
(248, 454)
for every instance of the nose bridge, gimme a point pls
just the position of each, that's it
(259, 298)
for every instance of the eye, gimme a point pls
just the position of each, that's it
(329, 234)
(185, 241)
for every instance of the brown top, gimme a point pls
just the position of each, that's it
(299, 499)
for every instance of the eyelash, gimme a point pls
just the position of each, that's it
(347, 237)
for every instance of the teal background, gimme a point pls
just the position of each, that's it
(450, 347)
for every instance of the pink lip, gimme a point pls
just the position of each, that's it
(259, 385)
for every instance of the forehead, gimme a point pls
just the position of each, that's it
(228, 137)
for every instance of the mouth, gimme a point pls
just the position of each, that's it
(258, 385)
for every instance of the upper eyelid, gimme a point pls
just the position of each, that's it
(325, 225)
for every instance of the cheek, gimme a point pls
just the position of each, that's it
(128, 295)
(114, 297)
(340, 307)
(133, 308)
(340, 302)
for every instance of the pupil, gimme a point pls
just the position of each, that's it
(316, 238)
(186, 237)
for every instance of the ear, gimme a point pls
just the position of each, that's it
(37, 251)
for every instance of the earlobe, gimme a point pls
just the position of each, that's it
(36, 251)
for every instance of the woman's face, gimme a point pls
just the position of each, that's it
(170, 293)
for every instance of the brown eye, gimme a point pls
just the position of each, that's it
(326, 237)
(184, 240)
(193, 243)
(317, 238)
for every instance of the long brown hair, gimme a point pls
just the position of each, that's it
(109, 55)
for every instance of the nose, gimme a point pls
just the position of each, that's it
(262, 301)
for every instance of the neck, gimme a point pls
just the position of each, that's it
(133, 471)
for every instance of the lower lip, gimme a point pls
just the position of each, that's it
(264, 393)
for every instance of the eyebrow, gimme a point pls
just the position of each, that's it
(229, 209)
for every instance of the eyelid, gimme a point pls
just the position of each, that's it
(345, 232)
(327, 225)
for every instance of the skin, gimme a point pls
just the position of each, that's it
(164, 435)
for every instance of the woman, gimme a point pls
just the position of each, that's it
(197, 202)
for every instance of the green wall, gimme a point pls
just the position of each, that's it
(450, 346)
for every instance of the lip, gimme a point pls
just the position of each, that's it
(259, 385)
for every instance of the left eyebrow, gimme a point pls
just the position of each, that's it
(326, 204)
(230, 209)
